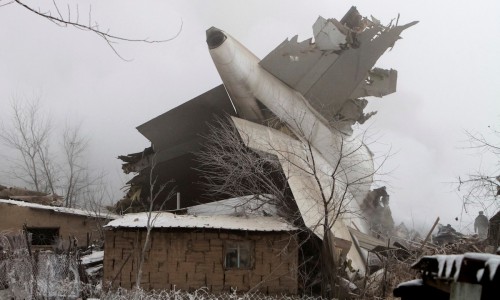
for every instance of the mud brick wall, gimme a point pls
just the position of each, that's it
(191, 259)
(13, 217)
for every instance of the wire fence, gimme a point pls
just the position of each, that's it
(199, 294)
(47, 275)
(37, 275)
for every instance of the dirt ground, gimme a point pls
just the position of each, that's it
(6, 295)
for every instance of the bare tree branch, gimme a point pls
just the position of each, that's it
(482, 187)
(43, 159)
(28, 135)
(7, 3)
(231, 168)
(74, 145)
(110, 39)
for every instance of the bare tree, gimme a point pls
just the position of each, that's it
(46, 160)
(49, 168)
(482, 187)
(231, 168)
(96, 200)
(76, 179)
(153, 201)
(79, 182)
(70, 17)
(29, 136)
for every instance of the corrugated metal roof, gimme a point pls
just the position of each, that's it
(246, 205)
(65, 210)
(367, 241)
(169, 220)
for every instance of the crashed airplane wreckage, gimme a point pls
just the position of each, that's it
(315, 89)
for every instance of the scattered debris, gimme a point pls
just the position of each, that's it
(447, 235)
(376, 209)
(25, 195)
(91, 268)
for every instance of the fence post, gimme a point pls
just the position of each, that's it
(33, 266)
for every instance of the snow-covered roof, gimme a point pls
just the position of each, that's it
(65, 210)
(246, 205)
(450, 267)
(169, 220)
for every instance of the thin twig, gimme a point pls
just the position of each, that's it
(108, 37)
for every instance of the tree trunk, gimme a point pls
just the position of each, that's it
(328, 266)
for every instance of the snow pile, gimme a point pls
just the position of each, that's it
(97, 256)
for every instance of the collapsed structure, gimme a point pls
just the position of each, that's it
(298, 104)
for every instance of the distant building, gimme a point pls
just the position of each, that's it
(220, 252)
(52, 226)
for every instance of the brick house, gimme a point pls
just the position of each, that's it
(494, 231)
(220, 252)
(52, 226)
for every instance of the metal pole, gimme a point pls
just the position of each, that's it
(384, 286)
(427, 237)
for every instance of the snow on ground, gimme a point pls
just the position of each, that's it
(93, 257)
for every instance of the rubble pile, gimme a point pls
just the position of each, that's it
(90, 268)
(395, 263)
(446, 241)
(20, 194)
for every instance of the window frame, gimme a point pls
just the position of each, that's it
(239, 246)
(37, 231)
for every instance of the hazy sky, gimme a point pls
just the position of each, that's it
(448, 78)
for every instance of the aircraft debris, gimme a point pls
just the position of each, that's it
(329, 78)
(315, 90)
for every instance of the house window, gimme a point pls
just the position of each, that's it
(238, 255)
(43, 236)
